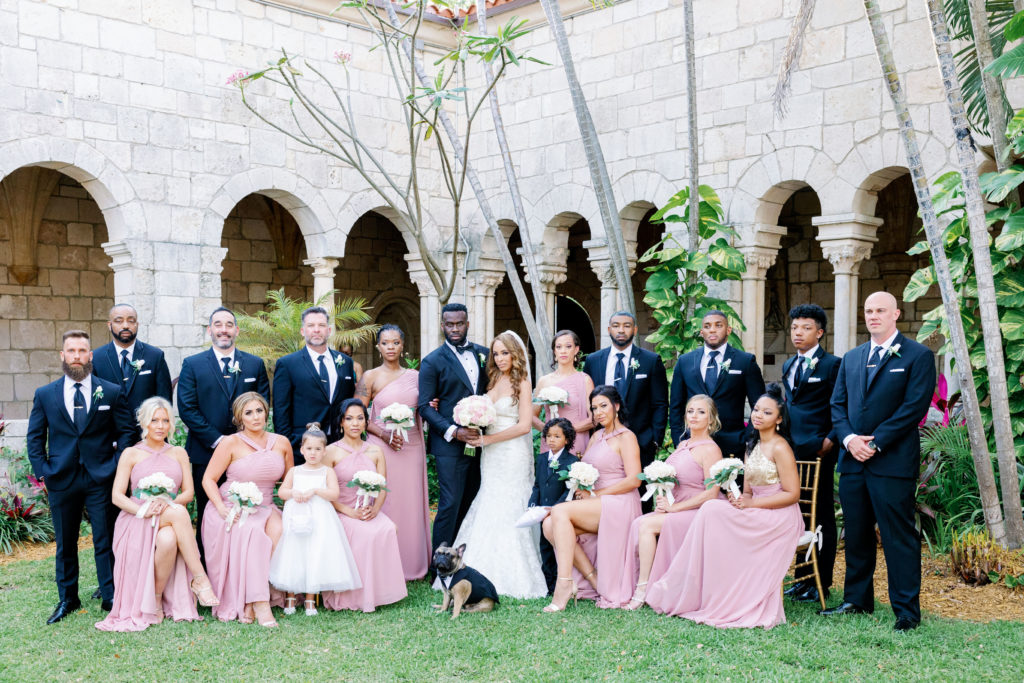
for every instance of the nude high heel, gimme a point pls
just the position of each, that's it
(637, 601)
(555, 608)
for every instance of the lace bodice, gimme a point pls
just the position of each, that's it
(506, 415)
(759, 470)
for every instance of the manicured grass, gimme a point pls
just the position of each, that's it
(409, 641)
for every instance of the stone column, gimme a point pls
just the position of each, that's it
(601, 263)
(323, 277)
(846, 241)
(551, 264)
(430, 305)
(482, 284)
(759, 260)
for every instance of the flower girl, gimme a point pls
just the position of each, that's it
(313, 554)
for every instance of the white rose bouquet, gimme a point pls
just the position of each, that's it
(660, 478)
(553, 398)
(400, 418)
(156, 485)
(476, 412)
(580, 477)
(368, 485)
(724, 473)
(247, 497)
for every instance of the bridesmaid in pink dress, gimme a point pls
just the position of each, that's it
(566, 348)
(239, 558)
(155, 554)
(655, 538)
(371, 534)
(406, 457)
(608, 514)
(728, 572)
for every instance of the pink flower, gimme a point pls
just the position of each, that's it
(342, 57)
(237, 77)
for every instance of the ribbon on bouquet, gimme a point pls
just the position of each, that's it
(146, 500)
(573, 488)
(659, 489)
(734, 490)
(400, 427)
(239, 512)
(552, 411)
(811, 538)
(363, 497)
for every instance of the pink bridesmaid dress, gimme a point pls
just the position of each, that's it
(607, 548)
(578, 409)
(134, 548)
(728, 572)
(238, 561)
(407, 503)
(374, 545)
(689, 483)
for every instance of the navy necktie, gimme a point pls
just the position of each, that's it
(874, 362)
(620, 374)
(125, 365)
(229, 377)
(79, 407)
(711, 374)
(799, 372)
(323, 375)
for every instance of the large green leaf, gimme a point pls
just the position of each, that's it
(727, 256)
(1008, 65)
(1010, 289)
(998, 185)
(1011, 324)
(662, 279)
(1012, 235)
(920, 283)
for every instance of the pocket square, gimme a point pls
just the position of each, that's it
(348, 376)
(146, 372)
(250, 379)
(735, 372)
(639, 376)
(102, 407)
(897, 370)
(813, 379)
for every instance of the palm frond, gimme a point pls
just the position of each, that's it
(952, 441)
(791, 56)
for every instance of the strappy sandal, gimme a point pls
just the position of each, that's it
(550, 609)
(310, 608)
(637, 601)
(289, 605)
(159, 612)
(205, 595)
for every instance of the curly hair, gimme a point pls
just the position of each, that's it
(519, 371)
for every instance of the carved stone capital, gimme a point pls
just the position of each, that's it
(322, 266)
(484, 281)
(846, 255)
(758, 260)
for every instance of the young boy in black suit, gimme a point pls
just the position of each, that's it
(548, 489)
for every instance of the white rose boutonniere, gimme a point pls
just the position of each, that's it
(634, 365)
(137, 365)
(339, 361)
(234, 368)
(726, 365)
(811, 364)
(482, 358)
(893, 350)
(97, 393)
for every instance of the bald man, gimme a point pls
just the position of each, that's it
(882, 392)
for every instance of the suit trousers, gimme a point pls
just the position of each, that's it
(201, 499)
(458, 478)
(826, 518)
(66, 507)
(869, 498)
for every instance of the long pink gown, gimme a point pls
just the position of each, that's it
(577, 409)
(607, 548)
(134, 548)
(728, 572)
(238, 561)
(689, 483)
(374, 544)
(407, 503)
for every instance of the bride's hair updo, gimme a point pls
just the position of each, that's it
(517, 373)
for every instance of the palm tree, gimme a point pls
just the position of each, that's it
(980, 238)
(692, 232)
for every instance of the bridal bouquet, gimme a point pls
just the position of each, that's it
(581, 477)
(246, 497)
(476, 412)
(724, 473)
(398, 417)
(368, 485)
(660, 478)
(156, 485)
(553, 398)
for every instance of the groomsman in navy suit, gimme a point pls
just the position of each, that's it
(729, 376)
(882, 393)
(808, 379)
(311, 383)
(139, 368)
(76, 431)
(639, 377)
(209, 383)
(450, 373)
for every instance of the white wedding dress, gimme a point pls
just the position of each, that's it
(495, 547)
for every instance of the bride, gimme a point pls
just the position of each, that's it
(507, 555)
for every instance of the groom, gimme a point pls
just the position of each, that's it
(450, 373)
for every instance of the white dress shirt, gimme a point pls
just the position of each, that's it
(220, 364)
(471, 364)
(706, 359)
(69, 394)
(871, 351)
(332, 369)
(609, 368)
(553, 457)
(807, 357)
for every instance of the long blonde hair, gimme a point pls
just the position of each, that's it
(148, 408)
(517, 373)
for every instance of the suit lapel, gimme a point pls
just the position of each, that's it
(600, 366)
(698, 355)
(809, 371)
(337, 370)
(860, 373)
(886, 355)
(94, 402)
(454, 361)
(314, 372)
(723, 372)
(786, 367)
(109, 351)
(133, 372)
(218, 372)
(58, 396)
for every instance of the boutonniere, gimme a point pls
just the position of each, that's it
(137, 365)
(339, 361)
(553, 464)
(97, 393)
(483, 359)
(811, 364)
(634, 365)
(233, 367)
(726, 365)
(893, 350)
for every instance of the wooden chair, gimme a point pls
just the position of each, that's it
(811, 540)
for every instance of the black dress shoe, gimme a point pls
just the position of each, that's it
(845, 608)
(810, 595)
(107, 605)
(795, 590)
(906, 624)
(64, 608)
(96, 595)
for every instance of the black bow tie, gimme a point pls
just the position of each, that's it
(462, 349)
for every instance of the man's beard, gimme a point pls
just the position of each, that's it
(77, 373)
(119, 336)
(622, 345)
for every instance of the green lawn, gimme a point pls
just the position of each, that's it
(409, 641)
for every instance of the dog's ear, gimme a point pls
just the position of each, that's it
(461, 549)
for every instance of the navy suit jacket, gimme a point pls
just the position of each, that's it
(55, 447)
(548, 489)
(742, 381)
(646, 396)
(443, 377)
(205, 398)
(889, 408)
(300, 397)
(810, 409)
(152, 378)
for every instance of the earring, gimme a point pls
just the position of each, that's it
(776, 427)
